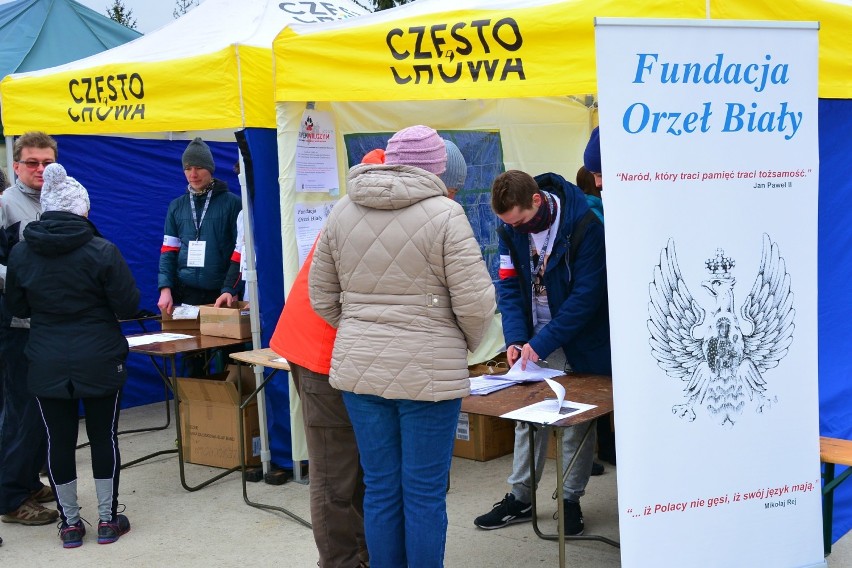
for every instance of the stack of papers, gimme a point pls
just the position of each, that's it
(155, 338)
(532, 373)
(185, 311)
(481, 385)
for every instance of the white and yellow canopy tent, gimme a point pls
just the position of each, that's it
(527, 72)
(208, 73)
(210, 69)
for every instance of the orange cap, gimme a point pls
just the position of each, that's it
(376, 156)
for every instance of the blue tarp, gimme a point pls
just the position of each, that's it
(131, 183)
(835, 281)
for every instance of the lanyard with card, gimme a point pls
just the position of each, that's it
(197, 248)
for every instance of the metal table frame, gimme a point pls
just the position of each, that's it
(588, 389)
(141, 321)
(167, 353)
(263, 358)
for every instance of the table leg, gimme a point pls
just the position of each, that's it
(180, 440)
(162, 372)
(560, 478)
(830, 482)
(243, 405)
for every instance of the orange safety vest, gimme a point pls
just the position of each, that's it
(301, 336)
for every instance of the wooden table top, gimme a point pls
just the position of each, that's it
(588, 389)
(263, 357)
(197, 342)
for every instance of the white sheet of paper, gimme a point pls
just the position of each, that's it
(195, 254)
(549, 410)
(280, 360)
(532, 373)
(185, 312)
(155, 338)
(558, 389)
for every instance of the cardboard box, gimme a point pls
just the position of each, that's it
(168, 323)
(483, 438)
(230, 322)
(208, 421)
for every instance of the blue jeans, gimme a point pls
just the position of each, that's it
(406, 448)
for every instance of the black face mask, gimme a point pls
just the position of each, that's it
(542, 219)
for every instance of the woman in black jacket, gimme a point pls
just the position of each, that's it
(74, 285)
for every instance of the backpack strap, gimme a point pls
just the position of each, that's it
(575, 240)
(579, 232)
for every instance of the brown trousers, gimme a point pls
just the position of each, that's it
(336, 478)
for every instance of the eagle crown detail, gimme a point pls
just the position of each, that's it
(720, 265)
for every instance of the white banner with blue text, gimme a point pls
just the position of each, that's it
(710, 168)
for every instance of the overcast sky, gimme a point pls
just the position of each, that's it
(149, 14)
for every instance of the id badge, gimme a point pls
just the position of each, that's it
(195, 255)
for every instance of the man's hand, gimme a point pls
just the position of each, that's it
(525, 353)
(225, 299)
(165, 302)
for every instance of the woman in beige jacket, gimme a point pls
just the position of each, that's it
(398, 271)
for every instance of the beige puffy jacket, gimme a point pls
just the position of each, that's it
(398, 271)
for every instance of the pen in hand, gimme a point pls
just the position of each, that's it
(526, 354)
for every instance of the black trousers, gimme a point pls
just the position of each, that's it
(62, 418)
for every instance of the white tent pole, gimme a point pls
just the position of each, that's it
(10, 141)
(250, 277)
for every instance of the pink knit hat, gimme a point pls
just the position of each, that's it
(418, 146)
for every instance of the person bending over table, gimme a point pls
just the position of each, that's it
(553, 307)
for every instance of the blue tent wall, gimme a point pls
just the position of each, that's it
(835, 286)
(259, 148)
(131, 183)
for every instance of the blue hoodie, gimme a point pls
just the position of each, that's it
(576, 288)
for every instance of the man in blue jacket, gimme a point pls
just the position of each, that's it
(199, 234)
(553, 307)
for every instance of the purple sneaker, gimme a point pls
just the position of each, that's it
(72, 535)
(110, 531)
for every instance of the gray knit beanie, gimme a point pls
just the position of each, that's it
(198, 154)
(61, 192)
(456, 172)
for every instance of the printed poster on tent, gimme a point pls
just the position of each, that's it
(710, 174)
(310, 218)
(316, 154)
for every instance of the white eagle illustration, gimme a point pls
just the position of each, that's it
(721, 356)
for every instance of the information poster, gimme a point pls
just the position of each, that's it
(316, 154)
(310, 218)
(710, 174)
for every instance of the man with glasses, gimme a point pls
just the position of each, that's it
(23, 443)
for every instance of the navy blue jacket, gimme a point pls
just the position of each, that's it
(219, 230)
(576, 288)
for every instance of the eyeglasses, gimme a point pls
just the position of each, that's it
(34, 164)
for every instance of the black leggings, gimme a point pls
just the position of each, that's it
(62, 418)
